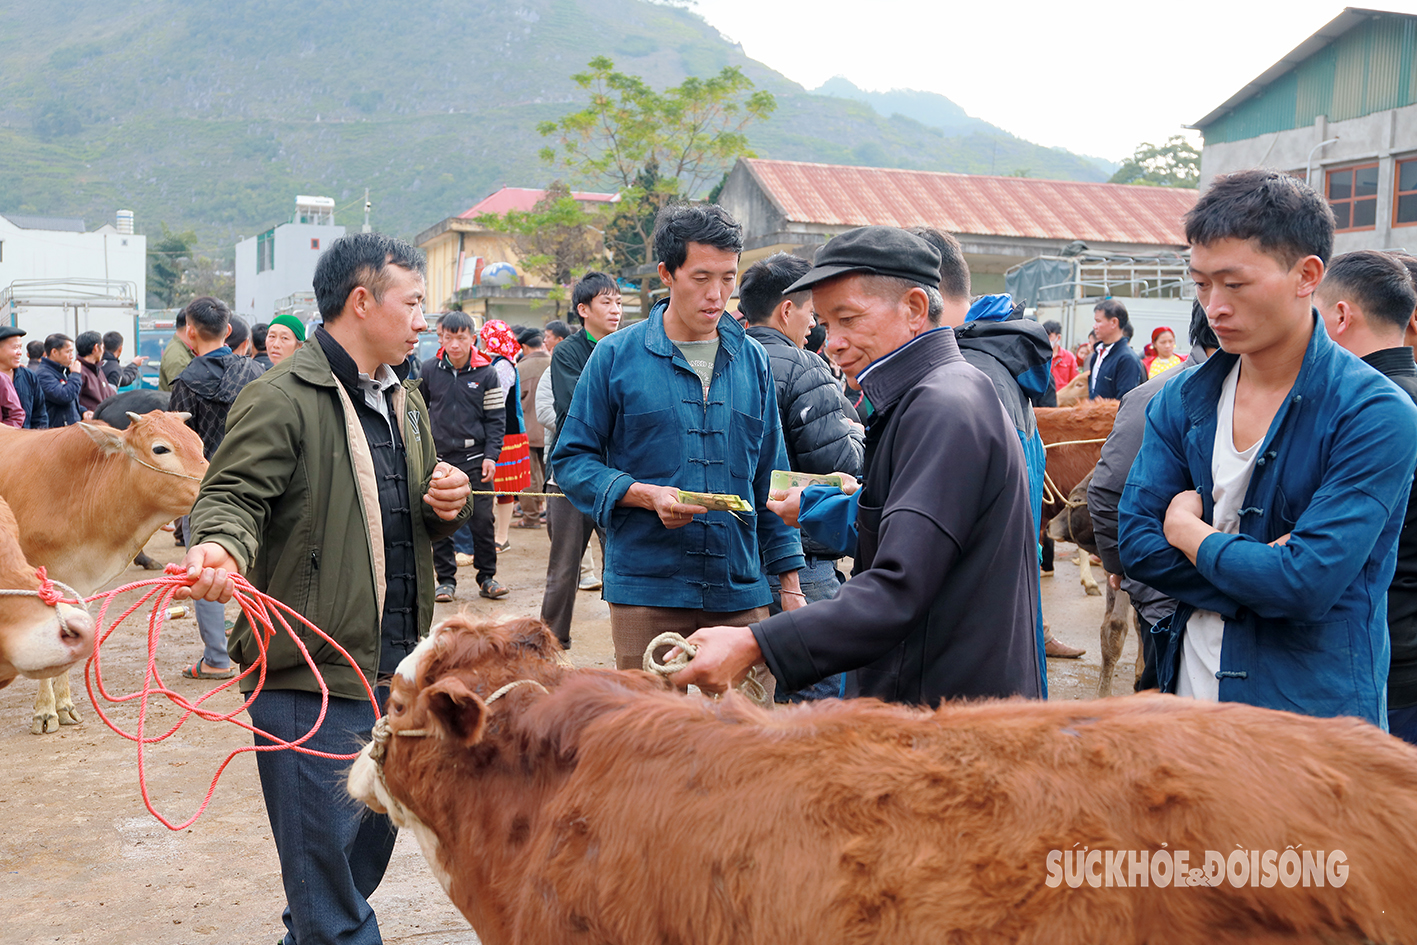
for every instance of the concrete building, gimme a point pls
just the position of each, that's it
(460, 250)
(1341, 112)
(787, 206)
(276, 269)
(57, 275)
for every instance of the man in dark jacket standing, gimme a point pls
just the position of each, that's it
(816, 427)
(1115, 367)
(1366, 300)
(595, 301)
(206, 389)
(942, 602)
(119, 374)
(12, 364)
(467, 407)
(324, 495)
(60, 380)
(89, 350)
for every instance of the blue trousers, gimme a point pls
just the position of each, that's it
(333, 851)
(211, 624)
(1402, 723)
(819, 582)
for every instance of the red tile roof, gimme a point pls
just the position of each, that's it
(523, 199)
(974, 203)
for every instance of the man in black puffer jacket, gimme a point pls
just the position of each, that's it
(816, 418)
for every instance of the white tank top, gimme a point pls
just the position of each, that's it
(1230, 469)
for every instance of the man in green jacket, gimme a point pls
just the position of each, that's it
(325, 494)
(177, 355)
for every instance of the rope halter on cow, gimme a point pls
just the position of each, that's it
(49, 593)
(381, 732)
(750, 686)
(1051, 494)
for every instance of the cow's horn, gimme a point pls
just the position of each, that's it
(182, 415)
(135, 417)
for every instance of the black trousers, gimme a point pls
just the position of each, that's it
(484, 543)
(569, 530)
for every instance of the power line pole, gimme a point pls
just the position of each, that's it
(366, 211)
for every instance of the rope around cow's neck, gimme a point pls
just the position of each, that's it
(750, 686)
(265, 613)
(1051, 493)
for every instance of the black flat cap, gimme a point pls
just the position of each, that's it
(880, 250)
(10, 331)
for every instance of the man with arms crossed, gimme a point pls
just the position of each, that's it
(1270, 486)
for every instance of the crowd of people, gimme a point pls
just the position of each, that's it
(1253, 496)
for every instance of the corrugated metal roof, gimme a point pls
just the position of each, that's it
(833, 195)
(523, 199)
(65, 224)
(1357, 63)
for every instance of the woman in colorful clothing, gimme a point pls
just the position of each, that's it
(1164, 339)
(514, 465)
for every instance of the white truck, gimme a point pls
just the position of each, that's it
(71, 306)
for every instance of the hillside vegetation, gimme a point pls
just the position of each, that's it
(213, 116)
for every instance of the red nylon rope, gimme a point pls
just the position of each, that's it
(263, 611)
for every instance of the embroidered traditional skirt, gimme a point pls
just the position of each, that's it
(513, 466)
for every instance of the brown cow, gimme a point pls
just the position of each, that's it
(1089, 422)
(1074, 391)
(596, 806)
(1074, 524)
(36, 639)
(87, 498)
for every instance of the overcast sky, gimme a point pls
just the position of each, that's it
(1096, 78)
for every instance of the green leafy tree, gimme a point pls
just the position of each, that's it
(1174, 164)
(653, 147)
(168, 257)
(558, 239)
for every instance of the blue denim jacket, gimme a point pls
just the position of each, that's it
(1305, 622)
(638, 415)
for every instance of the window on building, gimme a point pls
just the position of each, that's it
(314, 244)
(1353, 194)
(1405, 210)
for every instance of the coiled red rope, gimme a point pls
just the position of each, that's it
(265, 614)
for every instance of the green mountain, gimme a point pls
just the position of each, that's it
(214, 116)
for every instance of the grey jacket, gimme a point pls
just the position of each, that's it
(1105, 492)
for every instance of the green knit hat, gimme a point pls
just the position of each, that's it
(294, 324)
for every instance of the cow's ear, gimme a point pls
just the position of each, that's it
(457, 709)
(108, 439)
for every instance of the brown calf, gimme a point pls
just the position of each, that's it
(1074, 391)
(87, 498)
(597, 806)
(36, 639)
(1069, 461)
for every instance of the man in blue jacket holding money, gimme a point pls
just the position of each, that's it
(683, 400)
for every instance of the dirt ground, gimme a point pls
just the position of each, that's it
(82, 860)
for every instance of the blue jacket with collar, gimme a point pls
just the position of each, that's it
(1305, 622)
(639, 415)
(1118, 373)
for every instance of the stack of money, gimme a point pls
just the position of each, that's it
(716, 502)
(784, 479)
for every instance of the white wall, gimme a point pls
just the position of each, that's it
(1386, 136)
(57, 254)
(295, 258)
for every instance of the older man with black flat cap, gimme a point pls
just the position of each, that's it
(941, 601)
